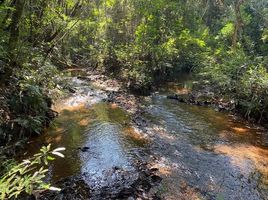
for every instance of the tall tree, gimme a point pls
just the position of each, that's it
(15, 30)
(238, 23)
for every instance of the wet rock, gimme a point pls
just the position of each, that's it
(204, 98)
(71, 90)
(156, 179)
(84, 78)
(154, 169)
(118, 183)
(83, 149)
(116, 168)
(178, 98)
(73, 188)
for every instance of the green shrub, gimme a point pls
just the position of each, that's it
(252, 90)
(29, 108)
(242, 78)
(28, 175)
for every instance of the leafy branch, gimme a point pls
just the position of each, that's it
(29, 174)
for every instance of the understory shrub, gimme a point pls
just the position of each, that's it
(241, 78)
(28, 176)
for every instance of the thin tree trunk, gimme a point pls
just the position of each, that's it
(238, 23)
(14, 28)
(37, 36)
(54, 43)
(14, 37)
(12, 4)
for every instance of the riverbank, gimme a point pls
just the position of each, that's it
(202, 93)
(170, 153)
(98, 107)
(122, 146)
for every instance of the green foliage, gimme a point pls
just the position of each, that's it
(227, 30)
(141, 42)
(27, 111)
(28, 175)
(146, 41)
(6, 164)
(238, 70)
(225, 67)
(253, 89)
(265, 36)
(242, 78)
(30, 108)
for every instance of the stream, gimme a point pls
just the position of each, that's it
(199, 153)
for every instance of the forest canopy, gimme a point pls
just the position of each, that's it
(142, 42)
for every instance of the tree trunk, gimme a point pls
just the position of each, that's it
(238, 23)
(4, 21)
(14, 29)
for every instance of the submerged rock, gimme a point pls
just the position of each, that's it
(116, 183)
(83, 149)
(73, 188)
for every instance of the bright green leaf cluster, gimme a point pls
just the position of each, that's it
(29, 174)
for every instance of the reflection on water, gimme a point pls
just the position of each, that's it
(241, 153)
(97, 135)
(203, 125)
(201, 154)
(213, 154)
(103, 128)
(106, 150)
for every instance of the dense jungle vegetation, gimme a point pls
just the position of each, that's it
(141, 42)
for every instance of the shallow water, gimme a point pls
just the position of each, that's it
(86, 122)
(206, 154)
(200, 153)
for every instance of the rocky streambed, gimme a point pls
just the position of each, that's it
(121, 146)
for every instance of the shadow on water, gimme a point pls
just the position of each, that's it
(206, 154)
(200, 153)
(97, 138)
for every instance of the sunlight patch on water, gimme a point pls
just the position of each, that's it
(84, 122)
(241, 130)
(182, 91)
(240, 153)
(59, 107)
(105, 152)
(134, 135)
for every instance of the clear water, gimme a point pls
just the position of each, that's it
(200, 153)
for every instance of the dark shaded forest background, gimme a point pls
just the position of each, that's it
(141, 42)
